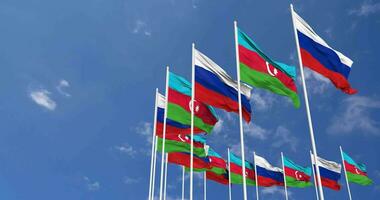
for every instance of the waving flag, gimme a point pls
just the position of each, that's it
(183, 159)
(329, 172)
(260, 71)
(219, 178)
(236, 171)
(267, 175)
(182, 143)
(179, 102)
(317, 55)
(172, 127)
(296, 175)
(356, 172)
(215, 87)
(217, 163)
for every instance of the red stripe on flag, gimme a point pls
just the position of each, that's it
(268, 182)
(353, 169)
(256, 62)
(337, 79)
(215, 99)
(298, 175)
(330, 183)
(217, 162)
(183, 100)
(184, 160)
(171, 130)
(223, 179)
(236, 169)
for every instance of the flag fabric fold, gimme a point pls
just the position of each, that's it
(182, 143)
(236, 170)
(356, 172)
(329, 172)
(296, 175)
(215, 87)
(258, 70)
(183, 159)
(268, 175)
(179, 103)
(317, 55)
(217, 164)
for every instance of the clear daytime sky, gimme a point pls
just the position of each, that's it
(77, 89)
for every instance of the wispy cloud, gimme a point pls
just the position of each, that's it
(356, 115)
(283, 137)
(274, 190)
(61, 86)
(42, 98)
(126, 149)
(256, 131)
(316, 83)
(262, 100)
(218, 126)
(145, 129)
(91, 185)
(130, 180)
(365, 9)
(140, 27)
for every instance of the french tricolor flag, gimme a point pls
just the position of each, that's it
(329, 171)
(267, 175)
(317, 55)
(215, 87)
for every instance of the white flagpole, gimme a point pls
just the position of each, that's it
(183, 182)
(345, 173)
(164, 132)
(192, 121)
(314, 178)
(166, 174)
(154, 167)
(256, 178)
(240, 113)
(229, 175)
(283, 171)
(204, 186)
(153, 145)
(314, 148)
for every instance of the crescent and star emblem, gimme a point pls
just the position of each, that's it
(298, 176)
(196, 106)
(274, 73)
(180, 137)
(356, 170)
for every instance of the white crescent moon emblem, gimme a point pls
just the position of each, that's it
(274, 73)
(179, 136)
(356, 170)
(196, 106)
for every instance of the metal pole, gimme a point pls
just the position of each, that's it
(256, 178)
(345, 173)
(164, 132)
(283, 171)
(153, 145)
(204, 186)
(229, 175)
(314, 148)
(166, 174)
(192, 121)
(183, 182)
(154, 167)
(315, 178)
(240, 112)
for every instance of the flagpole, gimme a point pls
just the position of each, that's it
(154, 167)
(183, 182)
(314, 178)
(345, 173)
(153, 145)
(166, 174)
(314, 148)
(283, 171)
(240, 113)
(256, 178)
(229, 175)
(164, 132)
(192, 121)
(204, 186)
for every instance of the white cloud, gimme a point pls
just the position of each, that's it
(256, 131)
(356, 115)
(366, 8)
(274, 190)
(126, 149)
(283, 137)
(41, 97)
(141, 27)
(129, 180)
(218, 126)
(315, 82)
(262, 100)
(145, 129)
(91, 185)
(60, 87)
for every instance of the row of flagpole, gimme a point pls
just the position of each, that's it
(162, 191)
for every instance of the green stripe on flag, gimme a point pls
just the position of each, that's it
(238, 179)
(261, 80)
(358, 179)
(176, 146)
(292, 182)
(178, 114)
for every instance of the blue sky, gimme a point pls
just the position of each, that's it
(78, 80)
